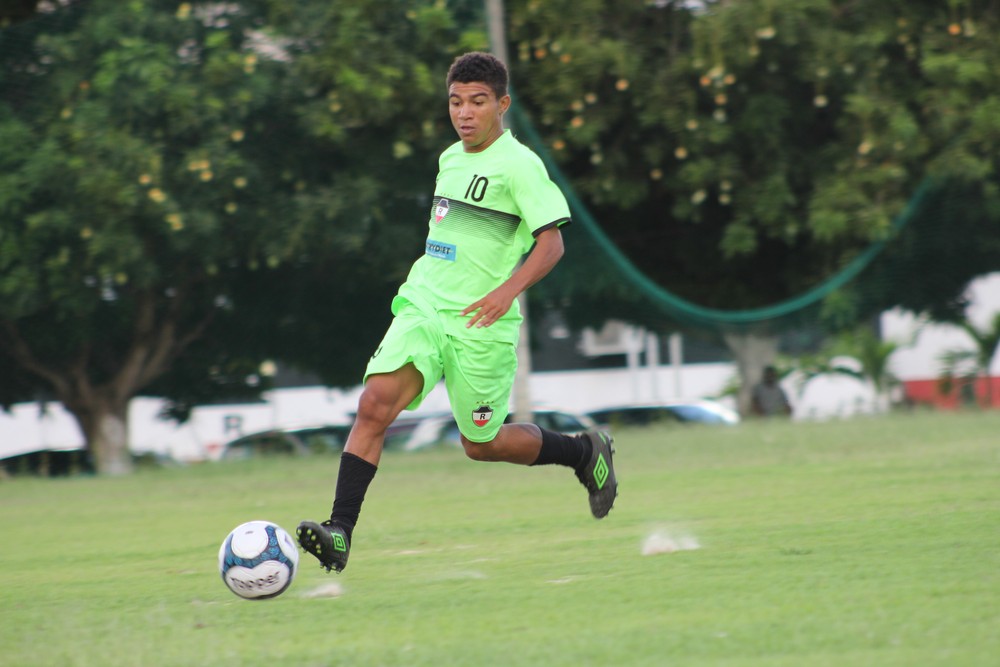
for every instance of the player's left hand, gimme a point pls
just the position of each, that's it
(490, 308)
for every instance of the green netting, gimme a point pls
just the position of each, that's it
(678, 308)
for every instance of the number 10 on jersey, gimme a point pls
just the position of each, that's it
(477, 188)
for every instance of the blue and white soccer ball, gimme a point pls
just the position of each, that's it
(258, 560)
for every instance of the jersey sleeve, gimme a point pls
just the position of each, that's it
(539, 200)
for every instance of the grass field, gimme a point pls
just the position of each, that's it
(864, 542)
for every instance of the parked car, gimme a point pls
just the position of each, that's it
(400, 431)
(302, 441)
(412, 433)
(562, 422)
(697, 412)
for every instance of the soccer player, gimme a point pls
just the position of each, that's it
(456, 315)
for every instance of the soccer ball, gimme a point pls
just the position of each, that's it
(258, 560)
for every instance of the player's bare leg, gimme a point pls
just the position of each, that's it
(589, 454)
(385, 395)
(514, 443)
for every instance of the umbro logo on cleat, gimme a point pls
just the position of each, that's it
(601, 471)
(338, 542)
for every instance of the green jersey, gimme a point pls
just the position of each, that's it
(486, 211)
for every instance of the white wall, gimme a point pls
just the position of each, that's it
(28, 425)
(27, 428)
(923, 343)
(582, 391)
(213, 425)
(829, 397)
(202, 437)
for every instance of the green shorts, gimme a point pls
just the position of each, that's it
(478, 374)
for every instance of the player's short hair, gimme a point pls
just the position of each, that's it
(481, 67)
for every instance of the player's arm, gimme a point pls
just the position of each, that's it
(546, 254)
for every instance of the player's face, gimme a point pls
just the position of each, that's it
(476, 114)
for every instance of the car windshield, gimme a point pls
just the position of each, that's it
(320, 440)
(563, 423)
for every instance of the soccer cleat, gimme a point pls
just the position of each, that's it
(327, 541)
(598, 475)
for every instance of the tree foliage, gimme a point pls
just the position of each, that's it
(12, 11)
(374, 118)
(193, 187)
(742, 152)
(189, 188)
(135, 195)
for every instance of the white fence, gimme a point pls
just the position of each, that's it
(32, 427)
(29, 428)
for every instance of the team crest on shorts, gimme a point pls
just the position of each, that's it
(441, 210)
(482, 415)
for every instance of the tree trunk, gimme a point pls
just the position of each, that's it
(753, 351)
(104, 424)
(101, 409)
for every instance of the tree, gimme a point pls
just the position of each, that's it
(196, 187)
(374, 115)
(132, 195)
(740, 153)
(12, 11)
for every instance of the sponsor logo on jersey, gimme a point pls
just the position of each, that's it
(440, 250)
(441, 210)
(482, 415)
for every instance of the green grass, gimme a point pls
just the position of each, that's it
(864, 542)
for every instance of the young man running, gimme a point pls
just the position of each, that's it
(456, 315)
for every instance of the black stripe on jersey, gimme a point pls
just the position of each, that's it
(555, 223)
(476, 221)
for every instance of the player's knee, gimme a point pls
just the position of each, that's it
(374, 411)
(478, 451)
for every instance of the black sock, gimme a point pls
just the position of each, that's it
(572, 451)
(352, 482)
